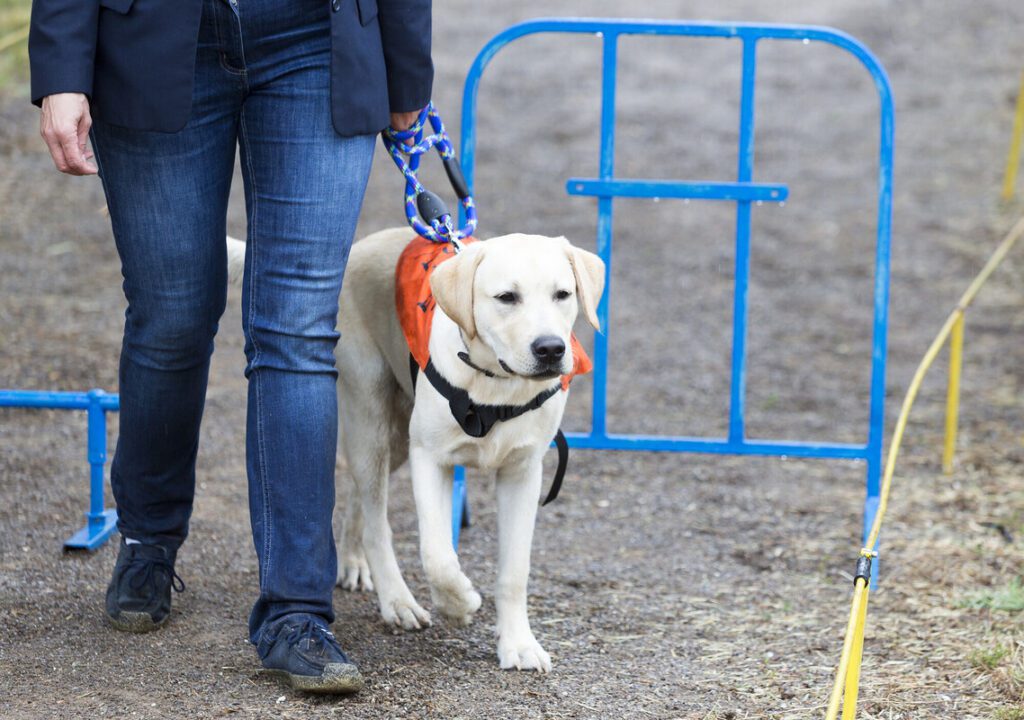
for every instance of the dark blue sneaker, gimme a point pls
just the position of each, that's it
(139, 595)
(304, 652)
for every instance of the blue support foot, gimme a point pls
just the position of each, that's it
(95, 532)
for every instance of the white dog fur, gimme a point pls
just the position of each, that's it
(383, 421)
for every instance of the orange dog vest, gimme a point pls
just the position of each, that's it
(416, 303)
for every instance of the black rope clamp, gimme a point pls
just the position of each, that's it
(431, 207)
(863, 570)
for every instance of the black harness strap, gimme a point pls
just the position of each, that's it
(477, 420)
(563, 462)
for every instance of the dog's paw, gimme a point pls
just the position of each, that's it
(354, 572)
(404, 612)
(456, 599)
(523, 654)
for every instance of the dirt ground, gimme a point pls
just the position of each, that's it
(664, 586)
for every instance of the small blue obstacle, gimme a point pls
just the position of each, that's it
(100, 523)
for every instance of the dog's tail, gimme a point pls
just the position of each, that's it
(236, 260)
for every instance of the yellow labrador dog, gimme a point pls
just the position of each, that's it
(506, 304)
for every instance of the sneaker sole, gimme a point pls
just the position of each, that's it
(134, 622)
(337, 679)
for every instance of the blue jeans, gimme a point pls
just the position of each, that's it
(261, 82)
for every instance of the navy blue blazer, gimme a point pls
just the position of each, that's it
(135, 59)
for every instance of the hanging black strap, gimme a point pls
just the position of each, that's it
(563, 462)
(477, 420)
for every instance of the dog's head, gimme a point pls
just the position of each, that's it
(520, 295)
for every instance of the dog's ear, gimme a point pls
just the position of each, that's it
(589, 271)
(452, 284)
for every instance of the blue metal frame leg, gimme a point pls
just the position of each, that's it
(100, 523)
(460, 509)
(870, 510)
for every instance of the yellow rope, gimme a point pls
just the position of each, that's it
(844, 659)
(848, 673)
(856, 651)
(956, 356)
(929, 357)
(1013, 156)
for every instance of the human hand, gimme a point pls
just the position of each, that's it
(64, 125)
(404, 121)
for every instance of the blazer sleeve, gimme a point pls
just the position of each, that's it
(405, 34)
(62, 46)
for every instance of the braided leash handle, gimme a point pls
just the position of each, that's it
(420, 202)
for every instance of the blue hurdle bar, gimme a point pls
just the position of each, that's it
(100, 522)
(677, 190)
(743, 192)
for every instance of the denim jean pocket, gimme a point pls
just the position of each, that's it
(367, 10)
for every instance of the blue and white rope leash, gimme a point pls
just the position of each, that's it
(430, 207)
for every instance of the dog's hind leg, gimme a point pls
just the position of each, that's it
(366, 439)
(353, 568)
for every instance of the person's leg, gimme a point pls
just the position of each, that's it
(304, 187)
(167, 196)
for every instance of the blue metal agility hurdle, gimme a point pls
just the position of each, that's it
(743, 191)
(100, 523)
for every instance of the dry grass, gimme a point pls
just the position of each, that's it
(951, 628)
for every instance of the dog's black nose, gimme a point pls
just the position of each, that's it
(548, 349)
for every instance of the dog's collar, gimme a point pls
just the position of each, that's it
(464, 357)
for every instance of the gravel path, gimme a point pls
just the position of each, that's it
(664, 586)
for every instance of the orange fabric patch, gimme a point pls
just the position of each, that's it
(416, 303)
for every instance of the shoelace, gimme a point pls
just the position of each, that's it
(146, 576)
(311, 633)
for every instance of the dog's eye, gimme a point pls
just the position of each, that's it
(508, 298)
(563, 295)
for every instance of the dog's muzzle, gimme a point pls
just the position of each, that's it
(548, 353)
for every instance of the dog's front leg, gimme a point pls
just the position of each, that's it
(518, 490)
(450, 589)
